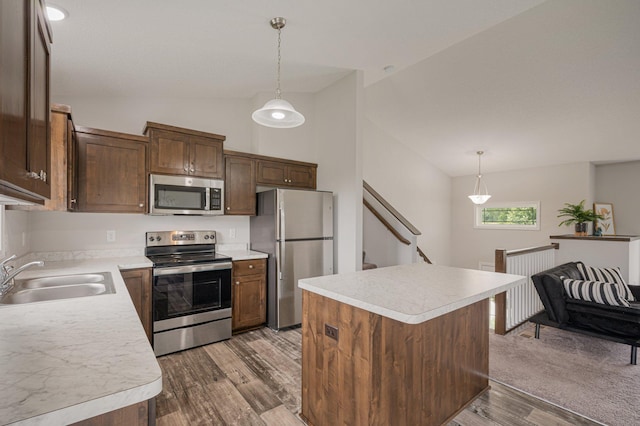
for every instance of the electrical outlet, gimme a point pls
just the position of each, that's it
(331, 331)
(232, 233)
(111, 236)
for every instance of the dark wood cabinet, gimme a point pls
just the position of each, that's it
(249, 296)
(25, 38)
(111, 171)
(239, 185)
(138, 282)
(62, 133)
(177, 151)
(286, 174)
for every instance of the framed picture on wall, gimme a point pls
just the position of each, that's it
(606, 225)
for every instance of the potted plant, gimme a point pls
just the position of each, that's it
(576, 214)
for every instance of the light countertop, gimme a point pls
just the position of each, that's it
(67, 360)
(244, 254)
(411, 293)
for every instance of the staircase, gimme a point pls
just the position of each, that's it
(388, 237)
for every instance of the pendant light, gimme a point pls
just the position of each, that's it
(278, 112)
(480, 192)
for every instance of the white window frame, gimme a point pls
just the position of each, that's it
(477, 221)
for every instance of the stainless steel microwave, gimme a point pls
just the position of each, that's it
(184, 195)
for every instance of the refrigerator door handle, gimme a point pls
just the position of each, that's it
(278, 262)
(281, 223)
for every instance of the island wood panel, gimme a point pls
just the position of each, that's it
(381, 371)
(133, 415)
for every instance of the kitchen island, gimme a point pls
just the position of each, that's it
(66, 361)
(403, 345)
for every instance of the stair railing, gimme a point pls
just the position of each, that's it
(373, 201)
(515, 306)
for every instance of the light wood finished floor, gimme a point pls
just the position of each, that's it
(254, 379)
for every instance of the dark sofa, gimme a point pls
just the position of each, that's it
(616, 323)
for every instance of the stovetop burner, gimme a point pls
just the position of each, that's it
(186, 259)
(175, 248)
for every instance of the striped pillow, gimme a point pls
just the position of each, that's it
(594, 291)
(606, 275)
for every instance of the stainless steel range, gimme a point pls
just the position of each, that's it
(191, 290)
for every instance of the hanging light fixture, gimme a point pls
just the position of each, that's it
(278, 112)
(480, 192)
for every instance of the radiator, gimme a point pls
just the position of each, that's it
(523, 301)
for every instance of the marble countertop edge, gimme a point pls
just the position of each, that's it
(96, 407)
(408, 317)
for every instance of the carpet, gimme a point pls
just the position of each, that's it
(586, 375)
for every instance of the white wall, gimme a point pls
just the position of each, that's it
(618, 184)
(413, 186)
(15, 233)
(552, 186)
(338, 142)
(65, 231)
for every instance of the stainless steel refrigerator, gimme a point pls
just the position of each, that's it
(295, 227)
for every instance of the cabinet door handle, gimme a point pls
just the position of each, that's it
(33, 175)
(228, 208)
(250, 266)
(186, 169)
(237, 282)
(192, 170)
(43, 176)
(73, 201)
(140, 205)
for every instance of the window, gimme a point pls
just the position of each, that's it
(509, 215)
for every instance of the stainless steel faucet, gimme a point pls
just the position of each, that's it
(8, 274)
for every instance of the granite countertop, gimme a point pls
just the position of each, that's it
(67, 360)
(411, 293)
(244, 254)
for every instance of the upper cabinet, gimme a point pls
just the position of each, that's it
(293, 174)
(25, 39)
(111, 175)
(178, 151)
(240, 184)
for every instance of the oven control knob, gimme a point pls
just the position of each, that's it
(206, 237)
(151, 239)
(213, 237)
(158, 238)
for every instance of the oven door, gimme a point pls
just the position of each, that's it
(187, 295)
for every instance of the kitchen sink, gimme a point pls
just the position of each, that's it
(62, 280)
(59, 287)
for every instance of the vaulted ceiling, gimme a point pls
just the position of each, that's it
(530, 82)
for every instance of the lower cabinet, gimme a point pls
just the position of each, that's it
(138, 282)
(249, 296)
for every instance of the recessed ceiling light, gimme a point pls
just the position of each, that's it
(56, 13)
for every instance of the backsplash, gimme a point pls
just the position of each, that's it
(53, 236)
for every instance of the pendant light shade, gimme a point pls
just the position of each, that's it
(480, 192)
(278, 112)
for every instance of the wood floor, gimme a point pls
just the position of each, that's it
(254, 379)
